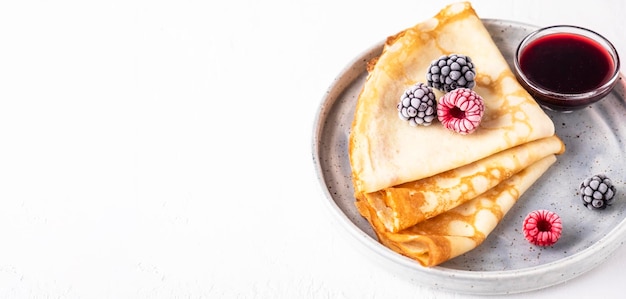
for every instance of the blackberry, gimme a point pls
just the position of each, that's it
(450, 72)
(597, 192)
(418, 105)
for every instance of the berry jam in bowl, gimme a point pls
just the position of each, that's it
(566, 68)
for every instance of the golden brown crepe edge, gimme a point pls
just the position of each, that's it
(434, 249)
(397, 213)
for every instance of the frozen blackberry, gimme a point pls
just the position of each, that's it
(450, 72)
(418, 105)
(597, 192)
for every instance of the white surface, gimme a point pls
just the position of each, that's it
(162, 149)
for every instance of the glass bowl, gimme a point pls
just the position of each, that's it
(566, 68)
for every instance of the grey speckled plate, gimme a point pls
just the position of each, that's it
(505, 262)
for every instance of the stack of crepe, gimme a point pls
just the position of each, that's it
(429, 193)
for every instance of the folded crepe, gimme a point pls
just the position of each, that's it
(385, 151)
(461, 229)
(405, 178)
(401, 206)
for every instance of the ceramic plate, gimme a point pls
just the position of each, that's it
(505, 262)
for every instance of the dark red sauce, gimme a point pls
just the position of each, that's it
(566, 63)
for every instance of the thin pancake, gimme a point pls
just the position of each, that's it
(385, 151)
(459, 230)
(407, 204)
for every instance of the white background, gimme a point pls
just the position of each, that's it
(162, 149)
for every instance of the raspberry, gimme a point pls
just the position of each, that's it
(451, 72)
(542, 227)
(417, 105)
(461, 110)
(597, 192)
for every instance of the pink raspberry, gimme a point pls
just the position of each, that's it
(542, 227)
(461, 110)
